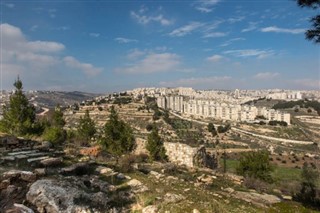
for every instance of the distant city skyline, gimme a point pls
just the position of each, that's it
(105, 46)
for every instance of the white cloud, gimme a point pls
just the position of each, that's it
(185, 30)
(266, 75)
(229, 42)
(215, 35)
(33, 58)
(252, 26)
(125, 40)
(135, 53)
(215, 58)
(205, 6)
(144, 19)
(250, 53)
(153, 63)
(95, 35)
(45, 46)
(87, 68)
(235, 19)
(282, 30)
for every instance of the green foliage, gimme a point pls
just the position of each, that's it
(122, 100)
(212, 129)
(56, 135)
(155, 146)
(18, 116)
(301, 103)
(275, 123)
(308, 192)
(54, 131)
(255, 165)
(314, 33)
(223, 129)
(86, 128)
(118, 136)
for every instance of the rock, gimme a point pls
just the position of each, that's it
(63, 196)
(23, 175)
(256, 198)
(156, 174)
(104, 170)
(286, 197)
(22, 208)
(46, 144)
(205, 179)
(121, 176)
(229, 190)
(150, 209)
(195, 211)
(4, 184)
(51, 162)
(137, 186)
(77, 169)
(28, 176)
(173, 198)
(40, 171)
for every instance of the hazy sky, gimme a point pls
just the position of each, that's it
(104, 46)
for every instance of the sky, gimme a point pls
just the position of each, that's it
(106, 46)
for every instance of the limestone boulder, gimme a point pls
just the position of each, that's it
(50, 162)
(150, 209)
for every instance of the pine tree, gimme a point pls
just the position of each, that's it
(54, 132)
(86, 128)
(18, 115)
(155, 146)
(118, 136)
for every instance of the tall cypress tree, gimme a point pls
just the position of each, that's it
(18, 115)
(155, 146)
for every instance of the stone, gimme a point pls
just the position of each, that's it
(4, 184)
(150, 209)
(22, 208)
(195, 211)
(137, 186)
(104, 170)
(156, 174)
(286, 197)
(205, 179)
(121, 176)
(40, 171)
(229, 190)
(28, 176)
(173, 198)
(49, 162)
(63, 196)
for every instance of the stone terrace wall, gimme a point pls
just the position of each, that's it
(180, 154)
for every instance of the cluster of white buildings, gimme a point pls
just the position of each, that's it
(285, 96)
(219, 110)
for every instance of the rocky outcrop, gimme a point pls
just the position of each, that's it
(78, 169)
(65, 196)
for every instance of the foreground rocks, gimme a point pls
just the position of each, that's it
(58, 196)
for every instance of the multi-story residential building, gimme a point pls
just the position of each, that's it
(218, 110)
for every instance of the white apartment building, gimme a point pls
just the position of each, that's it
(221, 111)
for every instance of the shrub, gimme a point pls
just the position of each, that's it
(255, 165)
(253, 183)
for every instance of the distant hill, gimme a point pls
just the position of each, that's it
(51, 98)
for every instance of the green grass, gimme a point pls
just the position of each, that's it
(289, 207)
(286, 174)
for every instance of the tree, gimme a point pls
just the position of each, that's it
(155, 146)
(308, 192)
(86, 128)
(212, 129)
(54, 132)
(256, 165)
(118, 136)
(19, 116)
(314, 33)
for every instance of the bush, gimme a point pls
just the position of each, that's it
(55, 135)
(255, 165)
(253, 183)
(149, 127)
